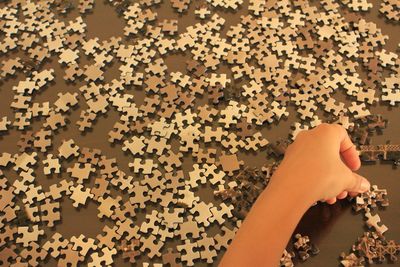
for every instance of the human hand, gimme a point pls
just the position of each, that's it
(321, 162)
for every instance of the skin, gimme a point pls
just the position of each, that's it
(319, 165)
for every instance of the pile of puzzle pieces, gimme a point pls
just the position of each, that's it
(372, 246)
(283, 56)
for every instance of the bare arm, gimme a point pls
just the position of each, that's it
(319, 165)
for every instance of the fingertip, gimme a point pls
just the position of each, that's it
(342, 195)
(353, 194)
(365, 185)
(331, 201)
(358, 184)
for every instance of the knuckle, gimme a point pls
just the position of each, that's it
(327, 128)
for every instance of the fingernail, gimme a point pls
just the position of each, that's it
(365, 185)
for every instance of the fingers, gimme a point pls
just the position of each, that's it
(334, 199)
(349, 152)
(342, 195)
(357, 184)
(353, 194)
(331, 200)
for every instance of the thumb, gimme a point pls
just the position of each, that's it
(358, 184)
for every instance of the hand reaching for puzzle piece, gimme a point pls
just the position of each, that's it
(322, 162)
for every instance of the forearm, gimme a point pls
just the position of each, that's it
(318, 165)
(267, 228)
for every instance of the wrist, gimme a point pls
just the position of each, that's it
(292, 189)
